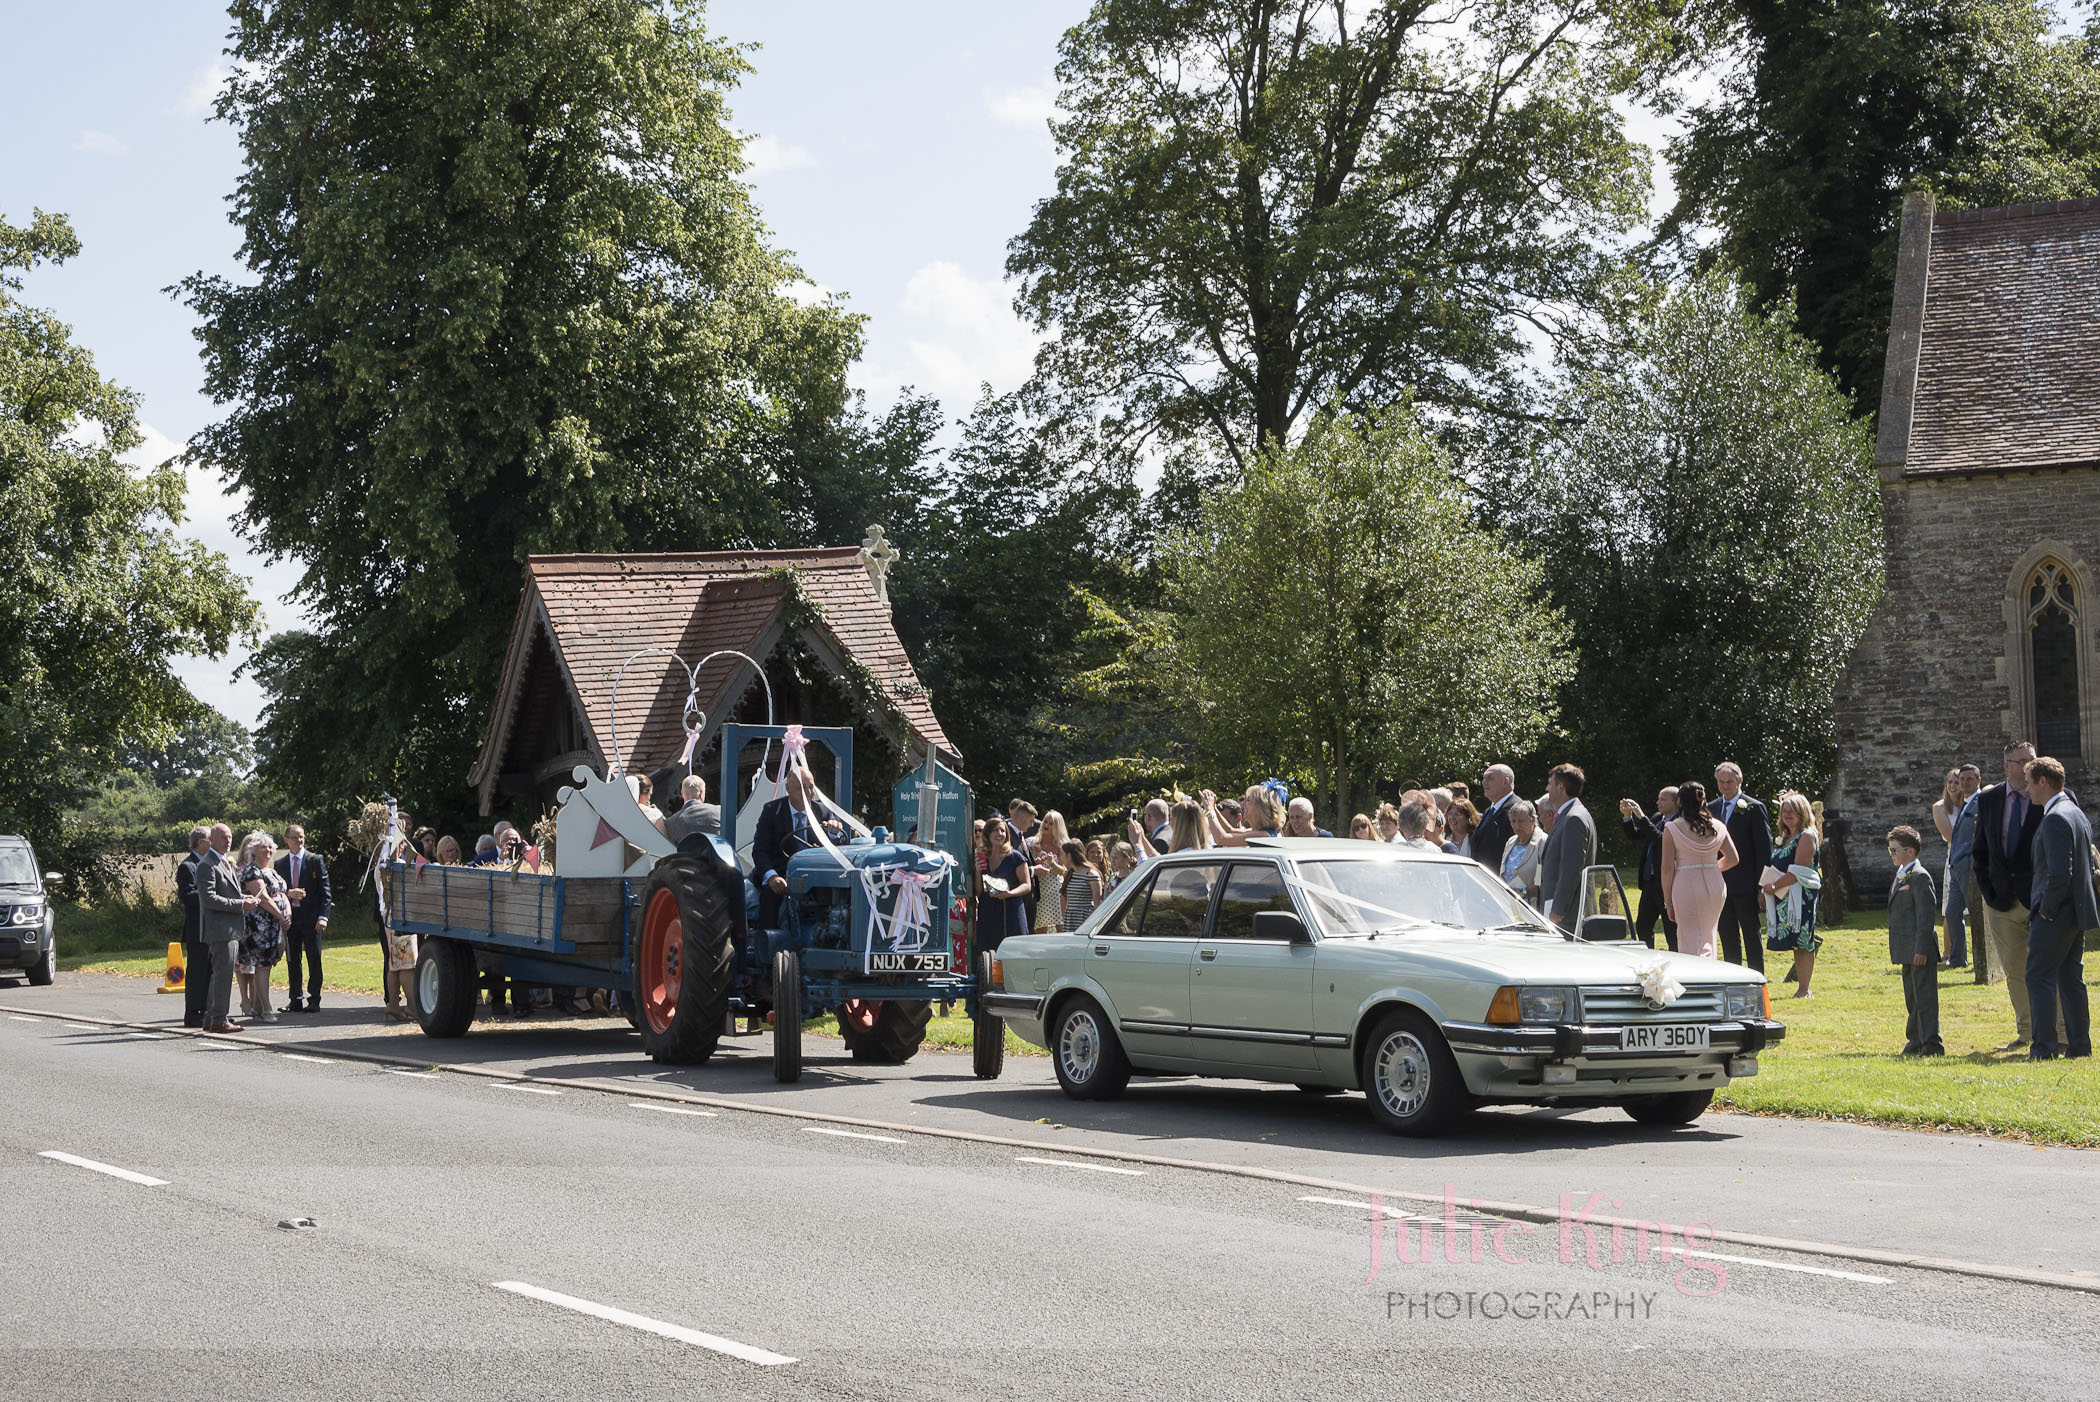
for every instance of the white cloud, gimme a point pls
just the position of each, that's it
(768, 154)
(1023, 107)
(100, 143)
(806, 293)
(962, 333)
(204, 88)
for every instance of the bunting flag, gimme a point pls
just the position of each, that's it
(606, 833)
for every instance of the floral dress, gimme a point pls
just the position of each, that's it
(1792, 923)
(263, 943)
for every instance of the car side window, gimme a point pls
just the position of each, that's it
(1133, 911)
(1180, 902)
(1249, 887)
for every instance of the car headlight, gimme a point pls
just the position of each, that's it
(1547, 1005)
(27, 914)
(1745, 1000)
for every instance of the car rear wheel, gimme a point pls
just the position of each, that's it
(1410, 1076)
(1083, 1047)
(1676, 1108)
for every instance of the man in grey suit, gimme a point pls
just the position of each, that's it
(2061, 909)
(225, 915)
(1571, 846)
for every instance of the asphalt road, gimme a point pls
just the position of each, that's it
(902, 1264)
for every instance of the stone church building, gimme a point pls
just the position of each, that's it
(1989, 454)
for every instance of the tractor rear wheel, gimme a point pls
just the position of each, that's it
(686, 962)
(787, 1016)
(443, 994)
(987, 1029)
(885, 1032)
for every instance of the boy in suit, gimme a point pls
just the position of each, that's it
(1914, 943)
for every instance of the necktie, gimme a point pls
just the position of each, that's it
(295, 868)
(2015, 814)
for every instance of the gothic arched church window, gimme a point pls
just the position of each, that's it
(2052, 632)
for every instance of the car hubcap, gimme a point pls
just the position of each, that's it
(427, 984)
(1401, 1071)
(1079, 1047)
(663, 942)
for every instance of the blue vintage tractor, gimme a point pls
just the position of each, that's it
(864, 934)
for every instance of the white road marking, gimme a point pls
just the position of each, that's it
(529, 1090)
(111, 1169)
(222, 1046)
(148, 1036)
(670, 1109)
(17, 1017)
(1785, 1266)
(748, 1353)
(301, 1056)
(849, 1134)
(1664, 1253)
(419, 1075)
(1089, 1167)
(81, 1027)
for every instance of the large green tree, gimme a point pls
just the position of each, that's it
(1337, 617)
(507, 293)
(99, 596)
(1709, 514)
(1267, 206)
(1828, 110)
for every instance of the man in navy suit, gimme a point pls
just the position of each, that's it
(2063, 908)
(2006, 822)
(1750, 827)
(306, 874)
(1498, 787)
(196, 955)
(784, 828)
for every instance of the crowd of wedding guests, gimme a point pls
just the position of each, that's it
(1721, 874)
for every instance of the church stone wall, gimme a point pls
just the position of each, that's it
(1929, 685)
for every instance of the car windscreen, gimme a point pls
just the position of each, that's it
(1359, 897)
(17, 866)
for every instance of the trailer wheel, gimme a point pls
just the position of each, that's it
(987, 1029)
(787, 1017)
(445, 987)
(683, 971)
(884, 1032)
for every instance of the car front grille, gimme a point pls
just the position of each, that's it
(1606, 1007)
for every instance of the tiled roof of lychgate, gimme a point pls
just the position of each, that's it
(2009, 360)
(603, 609)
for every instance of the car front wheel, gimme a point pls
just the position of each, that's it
(1410, 1076)
(1089, 1059)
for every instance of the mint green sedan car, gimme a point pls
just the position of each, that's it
(1413, 976)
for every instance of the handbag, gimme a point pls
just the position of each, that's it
(400, 951)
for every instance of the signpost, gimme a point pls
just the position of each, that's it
(952, 803)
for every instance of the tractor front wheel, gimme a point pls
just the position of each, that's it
(987, 1029)
(787, 1016)
(686, 963)
(883, 1032)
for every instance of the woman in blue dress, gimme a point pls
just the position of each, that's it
(1791, 886)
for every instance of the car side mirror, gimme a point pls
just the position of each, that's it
(1605, 928)
(51, 876)
(1281, 925)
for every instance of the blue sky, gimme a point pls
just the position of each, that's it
(895, 147)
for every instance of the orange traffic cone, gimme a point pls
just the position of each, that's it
(177, 971)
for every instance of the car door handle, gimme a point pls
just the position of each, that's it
(1102, 950)
(1206, 954)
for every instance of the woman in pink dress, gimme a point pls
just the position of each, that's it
(1695, 851)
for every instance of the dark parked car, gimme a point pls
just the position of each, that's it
(26, 945)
